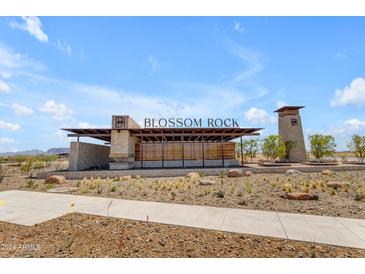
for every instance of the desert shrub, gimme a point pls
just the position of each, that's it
(47, 159)
(287, 187)
(221, 174)
(357, 146)
(360, 194)
(173, 195)
(248, 187)
(220, 194)
(99, 189)
(38, 164)
(21, 158)
(49, 186)
(273, 147)
(3, 170)
(29, 183)
(322, 145)
(250, 147)
(113, 189)
(27, 167)
(289, 146)
(2, 160)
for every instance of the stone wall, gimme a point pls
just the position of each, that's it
(183, 171)
(85, 155)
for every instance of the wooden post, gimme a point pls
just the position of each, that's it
(222, 152)
(241, 152)
(141, 151)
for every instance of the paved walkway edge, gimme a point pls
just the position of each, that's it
(29, 208)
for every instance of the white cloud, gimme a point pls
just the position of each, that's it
(4, 87)
(5, 140)
(355, 124)
(63, 46)
(252, 60)
(9, 126)
(59, 111)
(11, 60)
(85, 125)
(155, 66)
(350, 95)
(21, 110)
(280, 104)
(258, 116)
(238, 27)
(5, 74)
(33, 26)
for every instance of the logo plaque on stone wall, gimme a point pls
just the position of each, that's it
(120, 122)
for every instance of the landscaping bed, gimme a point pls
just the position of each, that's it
(258, 191)
(80, 235)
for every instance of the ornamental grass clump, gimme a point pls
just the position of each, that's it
(287, 187)
(360, 194)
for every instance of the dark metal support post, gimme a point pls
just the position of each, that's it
(163, 152)
(203, 154)
(183, 156)
(222, 152)
(241, 151)
(78, 138)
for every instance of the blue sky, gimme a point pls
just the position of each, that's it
(77, 71)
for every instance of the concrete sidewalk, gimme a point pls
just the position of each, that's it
(29, 208)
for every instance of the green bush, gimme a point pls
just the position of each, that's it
(322, 145)
(250, 147)
(273, 147)
(289, 146)
(220, 194)
(357, 146)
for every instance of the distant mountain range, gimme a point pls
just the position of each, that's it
(55, 150)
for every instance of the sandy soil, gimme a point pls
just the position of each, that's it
(259, 191)
(77, 235)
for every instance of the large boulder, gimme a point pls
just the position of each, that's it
(126, 177)
(327, 172)
(248, 173)
(55, 179)
(300, 196)
(193, 175)
(234, 173)
(293, 172)
(337, 185)
(206, 183)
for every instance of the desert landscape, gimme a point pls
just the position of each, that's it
(339, 194)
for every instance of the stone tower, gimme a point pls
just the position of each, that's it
(290, 128)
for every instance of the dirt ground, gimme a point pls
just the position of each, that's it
(259, 191)
(77, 235)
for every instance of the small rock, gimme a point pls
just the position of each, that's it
(55, 179)
(300, 196)
(337, 185)
(327, 172)
(193, 175)
(293, 172)
(126, 178)
(234, 173)
(248, 173)
(206, 183)
(320, 249)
